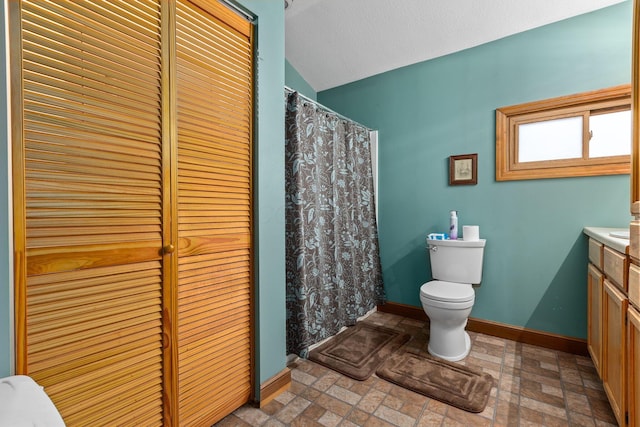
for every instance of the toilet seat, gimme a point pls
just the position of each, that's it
(451, 292)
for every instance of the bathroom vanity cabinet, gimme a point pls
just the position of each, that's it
(613, 334)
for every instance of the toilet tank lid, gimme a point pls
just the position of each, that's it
(459, 243)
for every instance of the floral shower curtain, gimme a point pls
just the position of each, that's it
(332, 259)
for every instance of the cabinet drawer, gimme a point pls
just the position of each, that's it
(595, 253)
(634, 285)
(615, 267)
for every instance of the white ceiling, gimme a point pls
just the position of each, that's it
(334, 42)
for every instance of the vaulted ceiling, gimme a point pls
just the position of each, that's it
(334, 42)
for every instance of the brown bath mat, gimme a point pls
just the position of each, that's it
(448, 382)
(358, 350)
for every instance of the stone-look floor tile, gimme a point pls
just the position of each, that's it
(285, 397)
(273, 422)
(507, 413)
(360, 388)
(377, 422)
(600, 423)
(437, 407)
(430, 419)
(329, 419)
(394, 417)
(535, 366)
(345, 382)
(533, 376)
(272, 407)
(512, 361)
(382, 385)
(571, 376)
(310, 393)
(601, 409)
(495, 341)
(569, 360)
(583, 360)
(451, 422)
(334, 405)
(578, 403)
(292, 410)
(370, 402)
(490, 409)
(314, 411)
(326, 381)
(509, 382)
(533, 386)
(232, 421)
(543, 407)
(302, 377)
(507, 396)
(576, 388)
(596, 385)
(467, 418)
(537, 352)
(412, 410)
(358, 417)
(393, 402)
(296, 387)
(488, 348)
(303, 421)
(576, 419)
(528, 415)
(343, 394)
(252, 415)
(536, 391)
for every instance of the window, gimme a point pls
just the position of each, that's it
(577, 135)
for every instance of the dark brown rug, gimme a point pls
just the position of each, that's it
(358, 350)
(448, 382)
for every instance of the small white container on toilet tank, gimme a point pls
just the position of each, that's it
(447, 300)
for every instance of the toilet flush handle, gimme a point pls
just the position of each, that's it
(433, 248)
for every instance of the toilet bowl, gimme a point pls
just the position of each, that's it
(448, 306)
(448, 299)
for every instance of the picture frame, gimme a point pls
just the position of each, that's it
(463, 169)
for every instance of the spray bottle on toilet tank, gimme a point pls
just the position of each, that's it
(453, 225)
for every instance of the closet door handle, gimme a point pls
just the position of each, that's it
(168, 249)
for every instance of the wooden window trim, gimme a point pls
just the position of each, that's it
(507, 119)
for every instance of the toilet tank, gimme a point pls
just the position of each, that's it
(456, 260)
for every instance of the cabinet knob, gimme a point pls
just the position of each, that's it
(168, 249)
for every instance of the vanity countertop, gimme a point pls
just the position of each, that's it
(603, 235)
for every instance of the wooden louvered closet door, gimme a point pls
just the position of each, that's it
(121, 152)
(214, 81)
(88, 207)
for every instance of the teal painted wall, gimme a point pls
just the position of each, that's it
(295, 81)
(535, 259)
(269, 210)
(6, 260)
(269, 186)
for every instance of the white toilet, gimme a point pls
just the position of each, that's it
(447, 300)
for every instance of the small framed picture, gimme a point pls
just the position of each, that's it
(463, 169)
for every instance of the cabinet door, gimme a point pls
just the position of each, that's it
(633, 366)
(614, 350)
(594, 319)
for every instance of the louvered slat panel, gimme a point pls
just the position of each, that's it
(214, 78)
(92, 145)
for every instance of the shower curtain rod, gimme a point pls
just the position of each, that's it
(288, 89)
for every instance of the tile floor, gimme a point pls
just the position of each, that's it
(533, 386)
